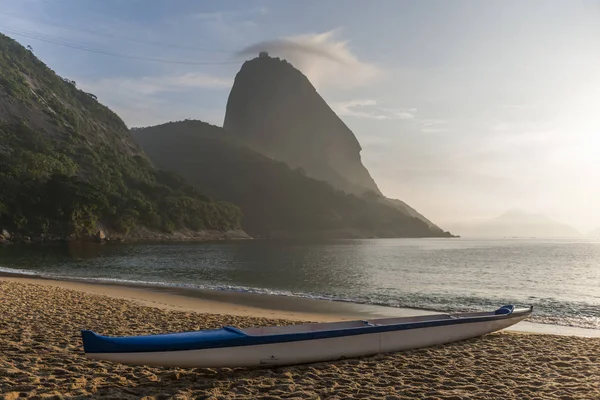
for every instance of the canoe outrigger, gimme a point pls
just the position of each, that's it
(297, 344)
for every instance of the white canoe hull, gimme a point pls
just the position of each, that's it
(314, 350)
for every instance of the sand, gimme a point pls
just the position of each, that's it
(41, 357)
(147, 296)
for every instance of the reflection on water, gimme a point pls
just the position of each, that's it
(562, 278)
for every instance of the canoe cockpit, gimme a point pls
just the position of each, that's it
(329, 326)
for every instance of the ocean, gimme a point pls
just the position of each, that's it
(561, 278)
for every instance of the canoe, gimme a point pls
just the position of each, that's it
(297, 344)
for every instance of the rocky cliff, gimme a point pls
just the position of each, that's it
(274, 109)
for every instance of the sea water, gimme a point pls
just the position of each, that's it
(561, 278)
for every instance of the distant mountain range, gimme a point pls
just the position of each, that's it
(594, 234)
(516, 223)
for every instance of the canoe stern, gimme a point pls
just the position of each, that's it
(92, 342)
(226, 336)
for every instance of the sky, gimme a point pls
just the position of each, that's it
(464, 109)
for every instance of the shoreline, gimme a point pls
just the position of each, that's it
(245, 304)
(221, 302)
(140, 236)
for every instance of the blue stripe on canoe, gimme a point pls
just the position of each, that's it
(232, 337)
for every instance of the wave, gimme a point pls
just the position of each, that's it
(547, 311)
(14, 271)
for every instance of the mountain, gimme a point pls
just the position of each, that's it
(274, 109)
(594, 234)
(275, 199)
(69, 165)
(516, 223)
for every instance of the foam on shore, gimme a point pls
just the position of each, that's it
(243, 303)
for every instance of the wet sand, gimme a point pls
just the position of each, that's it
(41, 356)
(262, 305)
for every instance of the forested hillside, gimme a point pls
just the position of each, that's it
(68, 163)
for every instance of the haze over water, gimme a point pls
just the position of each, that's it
(559, 277)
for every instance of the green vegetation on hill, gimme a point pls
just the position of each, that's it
(67, 162)
(274, 198)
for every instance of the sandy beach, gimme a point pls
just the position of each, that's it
(41, 355)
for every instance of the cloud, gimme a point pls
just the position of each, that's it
(150, 85)
(433, 122)
(433, 125)
(370, 109)
(263, 10)
(434, 130)
(208, 16)
(229, 14)
(325, 60)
